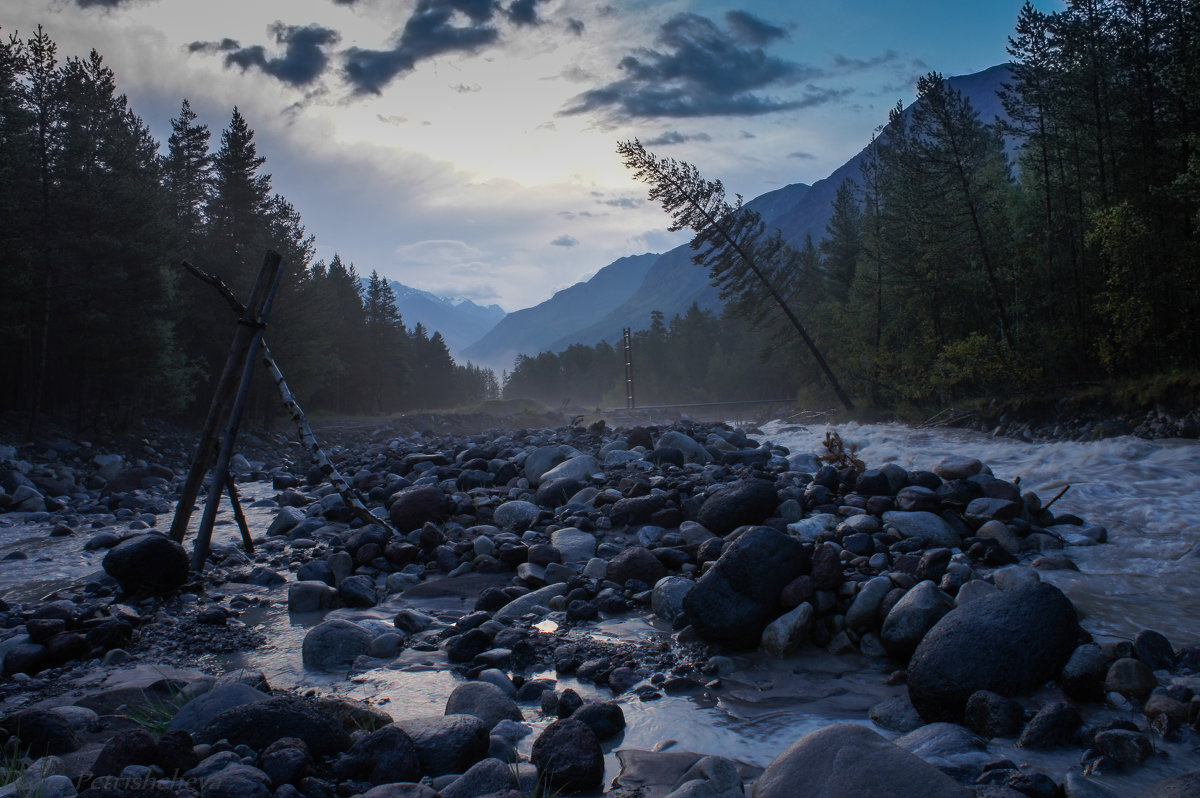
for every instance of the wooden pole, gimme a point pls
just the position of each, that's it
(234, 500)
(308, 438)
(249, 337)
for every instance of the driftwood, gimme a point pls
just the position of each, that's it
(308, 439)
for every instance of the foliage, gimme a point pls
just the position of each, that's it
(839, 455)
(153, 713)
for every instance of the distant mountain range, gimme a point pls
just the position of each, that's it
(624, 293)
(460, 321)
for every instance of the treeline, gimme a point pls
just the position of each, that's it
(950, 270)
(97, 319)
(696, 357)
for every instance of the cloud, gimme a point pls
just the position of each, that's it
(700, 69)
(575, 26)
(675, 137)
(565, 241)
(463, 88)
(619, 202)
(752, 30)
(430, 31)
(524, 12)
(443, 252)
(849, 64)
(303, 59)
(802, 156)
(102, 3)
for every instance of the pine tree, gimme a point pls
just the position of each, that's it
(188, 174)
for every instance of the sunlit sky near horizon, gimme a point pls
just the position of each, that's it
(467, 147)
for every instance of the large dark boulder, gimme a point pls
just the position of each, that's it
(263, 722)
(735, 600)
(447, 744)
(635, 562)
(1009, 642)
(568, 756)
(750, 501)
(41, 732)
(412, 507)
(150, 562)
(851, 760)
(381, 757)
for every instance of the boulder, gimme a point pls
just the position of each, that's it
(924, 525)
(667, 598)
(912, 617)
(381, 757)
(516, 515)
(334, 643)
(568, 756)
(692, 451)
(1009, 642)
(635, 562)
(150, 562)
(203, 708)
(447, 743)
(850, 760)
(261, 723)
(750, 501)
(485, 701)
(739, 595)
(412, 507)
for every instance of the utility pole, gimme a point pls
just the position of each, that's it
(628, 338)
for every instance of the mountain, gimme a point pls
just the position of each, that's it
(672, 283)
(460, 321)
(531, 330)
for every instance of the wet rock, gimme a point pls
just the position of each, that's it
(568, 756)
(735, 600)
(863, 613)
(151, 562)
(692, 451)
(787, 633)
(896, 715)
(992, 715)
(667, 599)
(126, 747)
(516, 515)
(485, 701)
(466, 646)
(205, 707)
(980, 511)
(25, 657)
(1124, 748)
(237, 781)
(1053, 726)
(334, 643)
(1008, 643)
(41, 732)
(261, 723)
(380, 757)
(285, 761)
(847, 759)
(925, 526)
(1154, 649)
(1131, 678)
(357, 591)
(447, 744)
(287, 519)
(746, 502)
(412, 507)
(605, 718)
(940, 741)
(635, 562)
(310, 596)
(911, 618)
(1084, 674)
(486, 777)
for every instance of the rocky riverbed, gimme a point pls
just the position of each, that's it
(542, 592)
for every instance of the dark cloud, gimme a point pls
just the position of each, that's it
(565, 241)
(101, 3)
(575, 26)
(619, 202)
(802, 156)
(301, 63)
(463, 88)
(746, 134)
(701, 69)
(429, 32)
(675, 137)
(524, 12)
(849, 64)
(752, 30)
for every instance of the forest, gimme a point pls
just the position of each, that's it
(970, 257)
(981, 258)
(100, 324)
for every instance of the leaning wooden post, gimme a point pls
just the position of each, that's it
(250, 329)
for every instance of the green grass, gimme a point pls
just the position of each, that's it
(155, 713)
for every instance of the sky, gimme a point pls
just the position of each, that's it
(467, 147)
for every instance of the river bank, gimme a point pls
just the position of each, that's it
(805, 564)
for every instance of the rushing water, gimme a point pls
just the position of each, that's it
(1147, 494)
